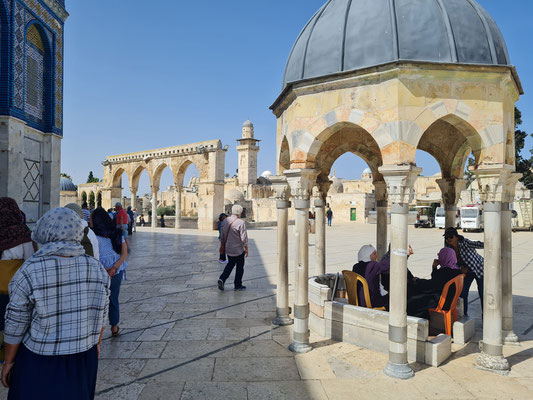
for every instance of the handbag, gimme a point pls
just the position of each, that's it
(222, 249)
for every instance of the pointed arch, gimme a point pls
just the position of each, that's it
(450, 140)
(38, 76)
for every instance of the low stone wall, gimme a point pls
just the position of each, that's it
(335, 319)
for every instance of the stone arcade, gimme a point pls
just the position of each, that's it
(208, 157)
(436, 78)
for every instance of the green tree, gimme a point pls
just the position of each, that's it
(92, 200)
(64, 175)
(92, 179)
(523, 165)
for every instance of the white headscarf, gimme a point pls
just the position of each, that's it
(60, 232)
(365, 252)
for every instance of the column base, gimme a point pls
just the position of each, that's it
(400, 371)
(300, 348)
(497, 364)
(282, 320)
(510, 338)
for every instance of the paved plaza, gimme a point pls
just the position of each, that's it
(181, 338)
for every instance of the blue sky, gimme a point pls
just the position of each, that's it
(142, 75)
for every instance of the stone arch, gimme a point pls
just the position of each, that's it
(450, 140)
(117, 177)
(136, 176)
(284, 156)
(182, 170)
(157, 171)
(342, 138)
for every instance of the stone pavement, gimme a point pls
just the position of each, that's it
(181, 338)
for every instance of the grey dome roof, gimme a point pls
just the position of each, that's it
(346, 35)
(247, 124)
(66, 185)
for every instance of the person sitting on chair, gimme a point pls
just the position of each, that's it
(427, 292)
(370, 269)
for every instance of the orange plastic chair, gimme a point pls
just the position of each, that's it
(351, 280)
(450, 316)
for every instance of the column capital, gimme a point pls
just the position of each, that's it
(380, 191)
(301, 182)
(451, 189)
(321, 188)
(133, 190)
(497, 184)
(400, 181)
(155, 189)
(281, 188)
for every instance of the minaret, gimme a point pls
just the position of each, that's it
(247, 150)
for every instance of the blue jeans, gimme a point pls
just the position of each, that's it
(329, 221)
(114, 309)
(469, 278)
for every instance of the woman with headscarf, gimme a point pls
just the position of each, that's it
(15, 236)
(15, 247)
(113, 252)
(427, 292)
(55, 316)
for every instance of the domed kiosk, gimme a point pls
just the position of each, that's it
(383, 79)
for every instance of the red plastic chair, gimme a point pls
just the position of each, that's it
(450, 316)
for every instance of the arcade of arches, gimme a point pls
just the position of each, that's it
(208, 157)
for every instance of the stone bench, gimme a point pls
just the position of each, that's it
(368, 328)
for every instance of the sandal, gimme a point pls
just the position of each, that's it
(115, 333)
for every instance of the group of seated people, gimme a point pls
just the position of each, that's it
(422, 294)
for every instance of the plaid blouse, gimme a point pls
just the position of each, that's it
(58, 305)
(469, 257)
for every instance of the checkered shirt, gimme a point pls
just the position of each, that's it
(58, 305)
(469, 257)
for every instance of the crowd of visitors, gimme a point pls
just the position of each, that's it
(86, 257)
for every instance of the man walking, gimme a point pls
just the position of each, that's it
(329, 215)
(235, 242)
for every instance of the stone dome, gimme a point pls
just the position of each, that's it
(234, 195)
(350, 35)
(266, 174)
(367, 171)
(247, 124)
(66, 185)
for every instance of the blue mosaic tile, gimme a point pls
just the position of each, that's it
(34, 82)
(18, 57)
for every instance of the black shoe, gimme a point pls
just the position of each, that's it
(240, 288)
(220, 284)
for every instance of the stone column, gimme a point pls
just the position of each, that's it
(301, 182)
(155, 190)
(282, 193)
(133, 198)
(320, 191)
(492, 184)
(177, 224)
(451, 189)
(400, 184)
(509, 336)
(382, 205)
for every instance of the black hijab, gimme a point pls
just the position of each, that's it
(103, 226)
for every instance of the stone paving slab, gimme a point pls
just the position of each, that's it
(181, 338)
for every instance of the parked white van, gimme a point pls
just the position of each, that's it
(440, 218)
(472, 218)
